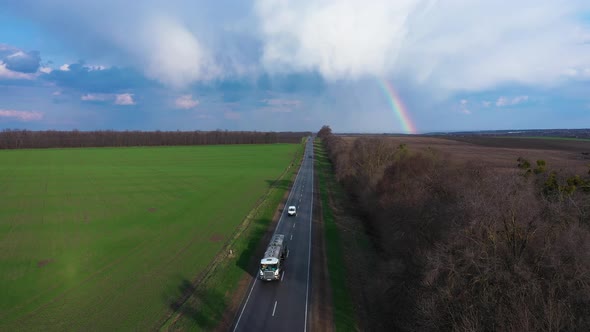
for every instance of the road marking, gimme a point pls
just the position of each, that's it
(282, 275)
(244, 307)
(288, 199)
(293, 225)
(275, 308)
(309, 254)
(278, 224)
(288, 251)
(291, 237)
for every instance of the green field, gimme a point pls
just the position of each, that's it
(102, 239)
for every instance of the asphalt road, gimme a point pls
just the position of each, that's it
(284, 305)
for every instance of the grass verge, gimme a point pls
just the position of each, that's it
(203, 307)
(343, 309)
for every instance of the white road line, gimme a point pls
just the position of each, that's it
(293, 225)
(291, 237)
(288, 198)
(309, 254)
(288, 251)
(282, 275)
(275, 308)
(248, 298)
(278, 224)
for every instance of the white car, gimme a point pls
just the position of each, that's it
(292, 210)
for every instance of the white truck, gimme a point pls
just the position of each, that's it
(271, 266)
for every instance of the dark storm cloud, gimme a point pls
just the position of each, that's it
(105, 80)
(23, 62)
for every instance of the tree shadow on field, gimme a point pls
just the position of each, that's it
(280, 184)
(250, 256)
(203, 307)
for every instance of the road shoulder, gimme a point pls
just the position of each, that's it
(321, 290)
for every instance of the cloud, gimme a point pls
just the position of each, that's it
(96, 97)
(308, 82)
(502, 101)
(578, 73)
(186, 102)
(19, 61)
(117, 99)
(231, 115)
(6, 49)
(64, 67)
(171, 42)
(519, 99)
(6, 73)
(16, 64)
(279, 110)
(124, 99)
(279, 105)
(463, 106)
(505, 101)
(486, 103)
(87, 78)
(204, 116)
(461, 45)
(340, 39)
(21, 115)
(98, 67)
(23, 62)
(176, 57)
(282, 102)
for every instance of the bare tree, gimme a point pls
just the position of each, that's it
(24, 139)
(465, 248)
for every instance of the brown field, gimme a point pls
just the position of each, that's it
(566, 155)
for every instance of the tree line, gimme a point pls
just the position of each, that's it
(26, 139)
(465, 247)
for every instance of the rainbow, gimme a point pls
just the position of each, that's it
(398, 106)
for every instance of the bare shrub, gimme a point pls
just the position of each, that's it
(466, 248)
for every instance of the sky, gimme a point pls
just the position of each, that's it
(379, 66)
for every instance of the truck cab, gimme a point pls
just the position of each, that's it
(270, 269)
